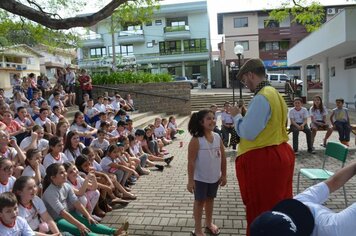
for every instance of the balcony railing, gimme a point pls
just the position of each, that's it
(130, 33)
(91, 36)
(13, 66)
(176, 28)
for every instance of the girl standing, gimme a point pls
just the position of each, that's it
(206, 168)
(63, 205)
(32, 208)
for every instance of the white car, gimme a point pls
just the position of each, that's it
(278, 81)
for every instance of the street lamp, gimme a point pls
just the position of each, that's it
(239, 51)
(233, 78)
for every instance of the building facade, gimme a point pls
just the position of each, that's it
(21, 60)
(176, 41)
(266, 39)
(333, 47)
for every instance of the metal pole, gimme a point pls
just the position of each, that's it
(240, 84)
(233, 85)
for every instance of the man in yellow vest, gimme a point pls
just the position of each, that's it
(265, 161)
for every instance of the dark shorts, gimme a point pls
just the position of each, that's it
(205, 190)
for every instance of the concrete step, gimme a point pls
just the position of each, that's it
(145, 121)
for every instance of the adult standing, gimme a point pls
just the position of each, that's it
(70, 85)
(265, 161)
(85, 82)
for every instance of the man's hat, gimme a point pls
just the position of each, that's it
(250, 65)
(289, 217)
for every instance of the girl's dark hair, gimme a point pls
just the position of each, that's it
(52, 170)
(111, 148)
(30, 153)
(68, 144)
(170, 118)
(81, 159)
(321, 107)
(76, 115)
(58, 132)
(68, 165)
(53, 142)
(7, 199)
(87, 150)
(131, 137)
(145, 137)
(195, 126)
(19, 185)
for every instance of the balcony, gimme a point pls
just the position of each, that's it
(171, 57)
(12, 66)
(92, 40)
(177, 32)
(131, 36)
(95, 63)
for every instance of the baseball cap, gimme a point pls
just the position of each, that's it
(289, 217)
(250, 65)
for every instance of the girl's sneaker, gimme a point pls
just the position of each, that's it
(168, 160)
(97, 218)
(159, 167)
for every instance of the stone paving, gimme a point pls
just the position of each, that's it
(164, 206)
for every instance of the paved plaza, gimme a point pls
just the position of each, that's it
(164, 206)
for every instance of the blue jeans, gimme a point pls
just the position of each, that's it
(344, 129)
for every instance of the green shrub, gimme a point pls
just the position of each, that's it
(127, 77)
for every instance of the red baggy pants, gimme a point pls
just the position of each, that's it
(265, 177)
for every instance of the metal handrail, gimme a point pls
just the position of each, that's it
(289, 90)
(142, 93)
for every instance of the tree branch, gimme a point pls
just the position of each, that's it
(44, 19)
(297, 4)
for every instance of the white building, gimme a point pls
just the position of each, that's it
(333, 46)
(176, 41)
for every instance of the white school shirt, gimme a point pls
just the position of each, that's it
(7, 187)
(91, 112)
(298, 116)
(49, 159)
(10, 153)
(160, 131)
(115, 105)
(42, 144)
(327, 222)
(28, 171)
(97, 166)
(32, 215)
(227, 118)
(24, 123)
(103, 145)
(79, 128)
(105, 162)
(41, 123)
(172, 125)
(318, 116)
(208, 160)
(21, 228)
(100, 107)
(72, 155)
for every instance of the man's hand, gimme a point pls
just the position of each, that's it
(234, 111)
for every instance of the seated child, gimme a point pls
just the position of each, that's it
(10, 223)
(6, 179)
(341, 121)
(299, 119)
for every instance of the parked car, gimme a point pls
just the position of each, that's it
(193, 83)
(278, 81)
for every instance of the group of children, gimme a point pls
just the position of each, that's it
(339, 120)
(57, 176)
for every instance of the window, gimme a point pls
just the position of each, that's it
(195, 45)
(158, 22)
(170, 47)
(149, 23)
(149, 45)
(117, 50)
(240, 22)
(134, 27)
(350, 63)
(273, 77)
(274, 46)
(179, 21)
(283, 78)
(121, 50)
(97, 52)
(271, 24)
(244, 44)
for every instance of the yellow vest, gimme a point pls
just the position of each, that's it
(275, 131)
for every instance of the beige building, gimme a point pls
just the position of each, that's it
(18, 59)
(241, 28)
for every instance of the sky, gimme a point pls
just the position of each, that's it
(218, 6)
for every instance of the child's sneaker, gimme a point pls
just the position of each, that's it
(168, 160)
(159, 167)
